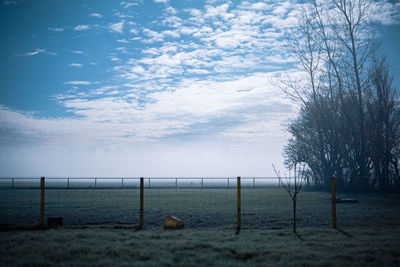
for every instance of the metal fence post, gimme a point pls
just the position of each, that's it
(42, 201)
(238, 203)
(333, 203)
(141, 202)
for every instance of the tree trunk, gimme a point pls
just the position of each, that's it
(294, 215)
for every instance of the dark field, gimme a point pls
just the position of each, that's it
(368, 234)
(268, 207)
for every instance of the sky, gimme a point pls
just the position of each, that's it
(154, 88)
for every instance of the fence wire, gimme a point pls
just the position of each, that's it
(199, 202)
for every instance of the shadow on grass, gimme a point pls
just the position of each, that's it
(237, 231)
(8, 228)
(299, 236)
(343, 232)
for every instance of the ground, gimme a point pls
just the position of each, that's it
(365, 246)
(368, 232)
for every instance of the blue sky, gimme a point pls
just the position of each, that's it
(151, 88)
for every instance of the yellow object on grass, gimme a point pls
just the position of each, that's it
(172, 222)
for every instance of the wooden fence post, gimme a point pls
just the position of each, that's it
(42, 201)
(333, 203)
(238, 204)
(141, 202)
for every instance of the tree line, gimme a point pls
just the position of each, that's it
(349, 113)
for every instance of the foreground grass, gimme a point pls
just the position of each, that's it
(362, 246)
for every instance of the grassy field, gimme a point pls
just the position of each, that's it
(361, 246)
(268, 207)
(368, 231)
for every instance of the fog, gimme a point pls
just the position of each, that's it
(207, 160)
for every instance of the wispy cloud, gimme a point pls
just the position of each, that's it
(130, 4)
(123, 41)
(38, 51)
(78, 52)
(228, 114)
(82, 27)
(386, 12)
(79, 83)
(96, 15)
(77, 65)
(116, 27)
(56, 29)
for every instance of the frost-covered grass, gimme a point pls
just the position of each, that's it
(369, 231)
(358, 246)
(263, 207)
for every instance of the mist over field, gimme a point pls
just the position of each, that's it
(149, 161)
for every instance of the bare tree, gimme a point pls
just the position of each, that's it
(293, 186)
(383, 126)
(333, 44)
(349, 21)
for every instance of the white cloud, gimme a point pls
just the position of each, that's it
(260, 6)
(78, 83)
(236, 105)
(96, 15)
(138, 69)
(82, 27)
(171, 34)
(116, 27)
(78, 52)
(129, 4)
(154, 36)
(134, 31)
(218, 11)
(123, 41)
(385, 12)
(56, 29)
(37, 51)
(122, 49)
(77, 65)
(161, 1)
(198, 71)
(171, 10)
